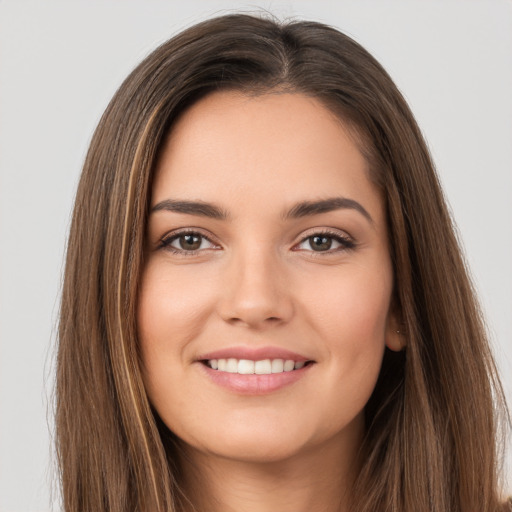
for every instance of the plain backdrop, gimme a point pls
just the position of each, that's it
(60, 62)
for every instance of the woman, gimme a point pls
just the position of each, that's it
(265, 306)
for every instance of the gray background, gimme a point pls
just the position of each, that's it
(60, 62)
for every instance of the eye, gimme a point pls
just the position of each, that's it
(187, 243)
(326, 241)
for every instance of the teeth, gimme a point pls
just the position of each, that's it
(248, 367)
(289, 365)
(263, 367)
(277, 366)
(232, 366)
(245, 367)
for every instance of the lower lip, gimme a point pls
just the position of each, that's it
(255, 384)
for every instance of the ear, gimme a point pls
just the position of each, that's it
(395, 335)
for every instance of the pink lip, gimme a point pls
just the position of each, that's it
(253, 354)
(254, 384)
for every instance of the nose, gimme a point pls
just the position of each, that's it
(255, 292)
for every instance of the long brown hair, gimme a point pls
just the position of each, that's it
(431, 423)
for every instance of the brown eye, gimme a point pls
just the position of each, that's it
(326, 242)
(320, 242)
(187, 243)
(190, 242)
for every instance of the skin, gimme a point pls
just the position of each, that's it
(257, 280)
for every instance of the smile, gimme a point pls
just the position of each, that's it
(246, 370)
(249, 367)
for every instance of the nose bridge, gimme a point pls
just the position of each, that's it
(255, 290)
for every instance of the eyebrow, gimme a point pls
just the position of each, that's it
(298, 210)
(200, 208)
(307, 208)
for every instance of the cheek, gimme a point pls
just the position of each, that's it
(167, 319)
(350, 321)
(351, 305)
(171, 309)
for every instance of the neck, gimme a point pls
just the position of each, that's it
(316, 480)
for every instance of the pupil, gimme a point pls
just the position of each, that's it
(190, 242)
(322, 243)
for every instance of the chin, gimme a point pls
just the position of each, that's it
(258, 450)
(260, 441)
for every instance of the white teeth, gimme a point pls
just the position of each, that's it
(248, 367)
(289, 365)
(232, 366)
(277, 365)
(245, 367)
(263, 367)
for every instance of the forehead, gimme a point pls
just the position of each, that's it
(276, 146)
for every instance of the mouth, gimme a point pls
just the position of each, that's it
(253, 370)
(251, 367)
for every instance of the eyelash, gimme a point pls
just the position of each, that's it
(346, 243)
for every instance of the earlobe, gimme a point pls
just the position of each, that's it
(395, 340)
(395, 333)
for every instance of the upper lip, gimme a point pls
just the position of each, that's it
(253, 354)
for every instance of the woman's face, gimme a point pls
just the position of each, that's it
(266, 250)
